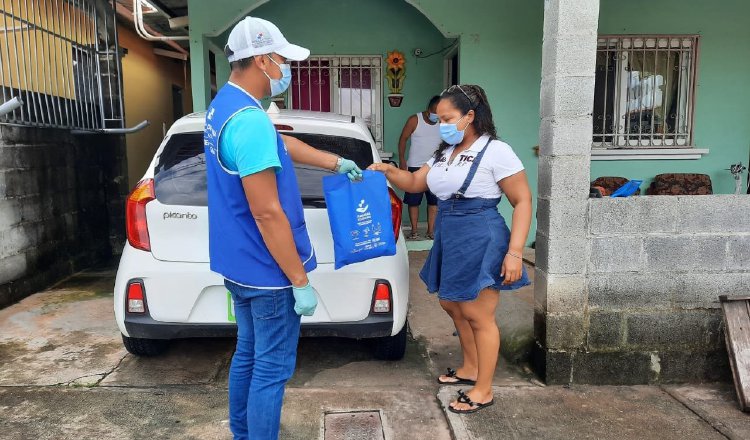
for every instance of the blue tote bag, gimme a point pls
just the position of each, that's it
(360, 218)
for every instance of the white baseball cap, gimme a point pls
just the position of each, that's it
(254, 36)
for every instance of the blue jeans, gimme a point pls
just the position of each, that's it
(267, 335)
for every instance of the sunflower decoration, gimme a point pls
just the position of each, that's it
(396, 71)
(395, 60)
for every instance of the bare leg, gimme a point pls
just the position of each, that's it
(480, 314)
(466, 336)
(431, 214)
(414, 218)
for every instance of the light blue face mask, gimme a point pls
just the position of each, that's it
(433, 117)
(451, 134)
(279, 86)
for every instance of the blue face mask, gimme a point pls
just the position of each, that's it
(279, 86)
(451, 134)
(433, 117)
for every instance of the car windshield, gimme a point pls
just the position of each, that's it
(180, 174)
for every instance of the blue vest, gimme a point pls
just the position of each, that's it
(236, 247)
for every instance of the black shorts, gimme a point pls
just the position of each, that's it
(415, 199)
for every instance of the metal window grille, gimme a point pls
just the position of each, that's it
(348, 85)
(61, 58)
(645, 91)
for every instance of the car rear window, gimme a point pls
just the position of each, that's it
(355, 149)
(180, 174)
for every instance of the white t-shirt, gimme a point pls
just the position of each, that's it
(499, 161)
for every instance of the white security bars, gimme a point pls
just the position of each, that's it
(645, 91)
(349, 85)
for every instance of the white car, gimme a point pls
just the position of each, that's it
(165, 289)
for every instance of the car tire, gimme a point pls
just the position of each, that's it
(392, 348)
(145, 347)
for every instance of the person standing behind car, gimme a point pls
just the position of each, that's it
(423, 132)
(257, 236)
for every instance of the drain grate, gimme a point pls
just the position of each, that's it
(365, 425)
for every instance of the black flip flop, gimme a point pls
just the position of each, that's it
(474, 407)
(458, 381)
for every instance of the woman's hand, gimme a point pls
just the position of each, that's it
(410, 182)
(385, 168)
(512, 268)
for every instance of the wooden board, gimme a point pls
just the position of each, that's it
(737, 333)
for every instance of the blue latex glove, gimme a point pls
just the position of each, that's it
(305, 300)
(351, 170)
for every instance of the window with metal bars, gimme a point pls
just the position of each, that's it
(645, 91)
(348, 85)
(61, 59)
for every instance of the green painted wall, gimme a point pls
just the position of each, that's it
(500, 50)
(722, 114)
(369, 28)
(366, 28)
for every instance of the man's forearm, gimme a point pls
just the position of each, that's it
(277, 235)
(401, 152)
(305, 154)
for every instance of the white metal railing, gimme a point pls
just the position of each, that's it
(645, 91)
(349, 85)
(61, 59)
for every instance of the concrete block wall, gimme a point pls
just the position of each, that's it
(657, 267)
(646, 309)
(626, 290)
(61, 205)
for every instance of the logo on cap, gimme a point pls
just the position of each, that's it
(261, 40)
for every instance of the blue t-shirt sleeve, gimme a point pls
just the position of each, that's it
(248, 143)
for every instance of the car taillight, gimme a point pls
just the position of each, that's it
(382, 302)
(396, 206)
(136, 300)
(135, 216)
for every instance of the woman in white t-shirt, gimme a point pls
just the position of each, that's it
(474, 254)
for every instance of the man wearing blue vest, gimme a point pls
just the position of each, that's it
(257, 235)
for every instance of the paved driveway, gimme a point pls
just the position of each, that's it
(65, 375)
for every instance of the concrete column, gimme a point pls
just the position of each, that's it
(200, 70)
(562, 244)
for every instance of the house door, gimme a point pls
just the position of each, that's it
(348, 85)
(450, 64)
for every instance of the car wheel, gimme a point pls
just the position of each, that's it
(145, 347)
(392, 348)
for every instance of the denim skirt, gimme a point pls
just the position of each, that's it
(471, 241)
